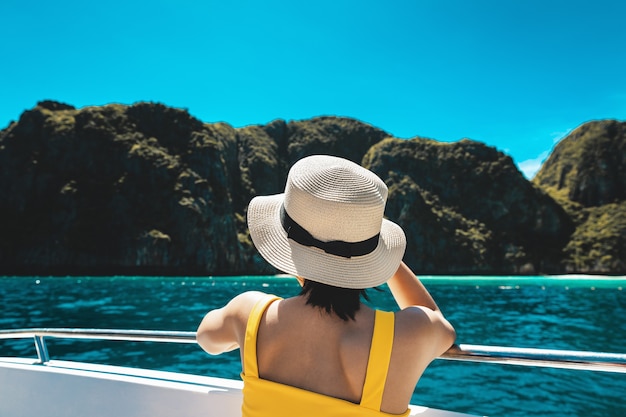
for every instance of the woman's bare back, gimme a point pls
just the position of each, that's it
(305, 347)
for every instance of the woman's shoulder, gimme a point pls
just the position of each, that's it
(251, 297)
(422, 326)
(223, 329)
(245, 302)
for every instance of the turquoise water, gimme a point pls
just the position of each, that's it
(577, 313)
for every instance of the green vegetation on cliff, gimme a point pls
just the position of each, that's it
(588, 166)
(599, 243)
(468, 209)
(150, 189)
(115, 188)
(586, 174)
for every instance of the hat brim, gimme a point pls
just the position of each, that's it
(314, 264)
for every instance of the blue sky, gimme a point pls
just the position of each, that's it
(517, 75)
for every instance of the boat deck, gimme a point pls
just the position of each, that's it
(74, 389)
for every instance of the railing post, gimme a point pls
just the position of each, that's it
(42, 350)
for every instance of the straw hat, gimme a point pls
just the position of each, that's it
(328, 225)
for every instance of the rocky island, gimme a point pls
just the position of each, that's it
(148, 189)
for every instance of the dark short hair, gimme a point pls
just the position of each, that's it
(342, 302)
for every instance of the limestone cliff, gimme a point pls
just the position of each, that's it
(586, 174)
(467, 209)
(117, 189)
(149, 189)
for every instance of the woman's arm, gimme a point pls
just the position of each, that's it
(419, 307)
(223, 330)
(408, 290)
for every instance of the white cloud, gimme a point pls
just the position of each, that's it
(558, 136)
(530, 167)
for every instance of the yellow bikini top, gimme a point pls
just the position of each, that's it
(263, 398)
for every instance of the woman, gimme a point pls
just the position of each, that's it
(323, 352)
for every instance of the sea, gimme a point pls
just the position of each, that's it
(565, 312)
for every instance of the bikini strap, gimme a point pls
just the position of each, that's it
(250, 365)
(378, 362)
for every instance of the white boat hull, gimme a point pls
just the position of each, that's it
(76, 389)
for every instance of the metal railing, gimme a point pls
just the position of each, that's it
(563, 359)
